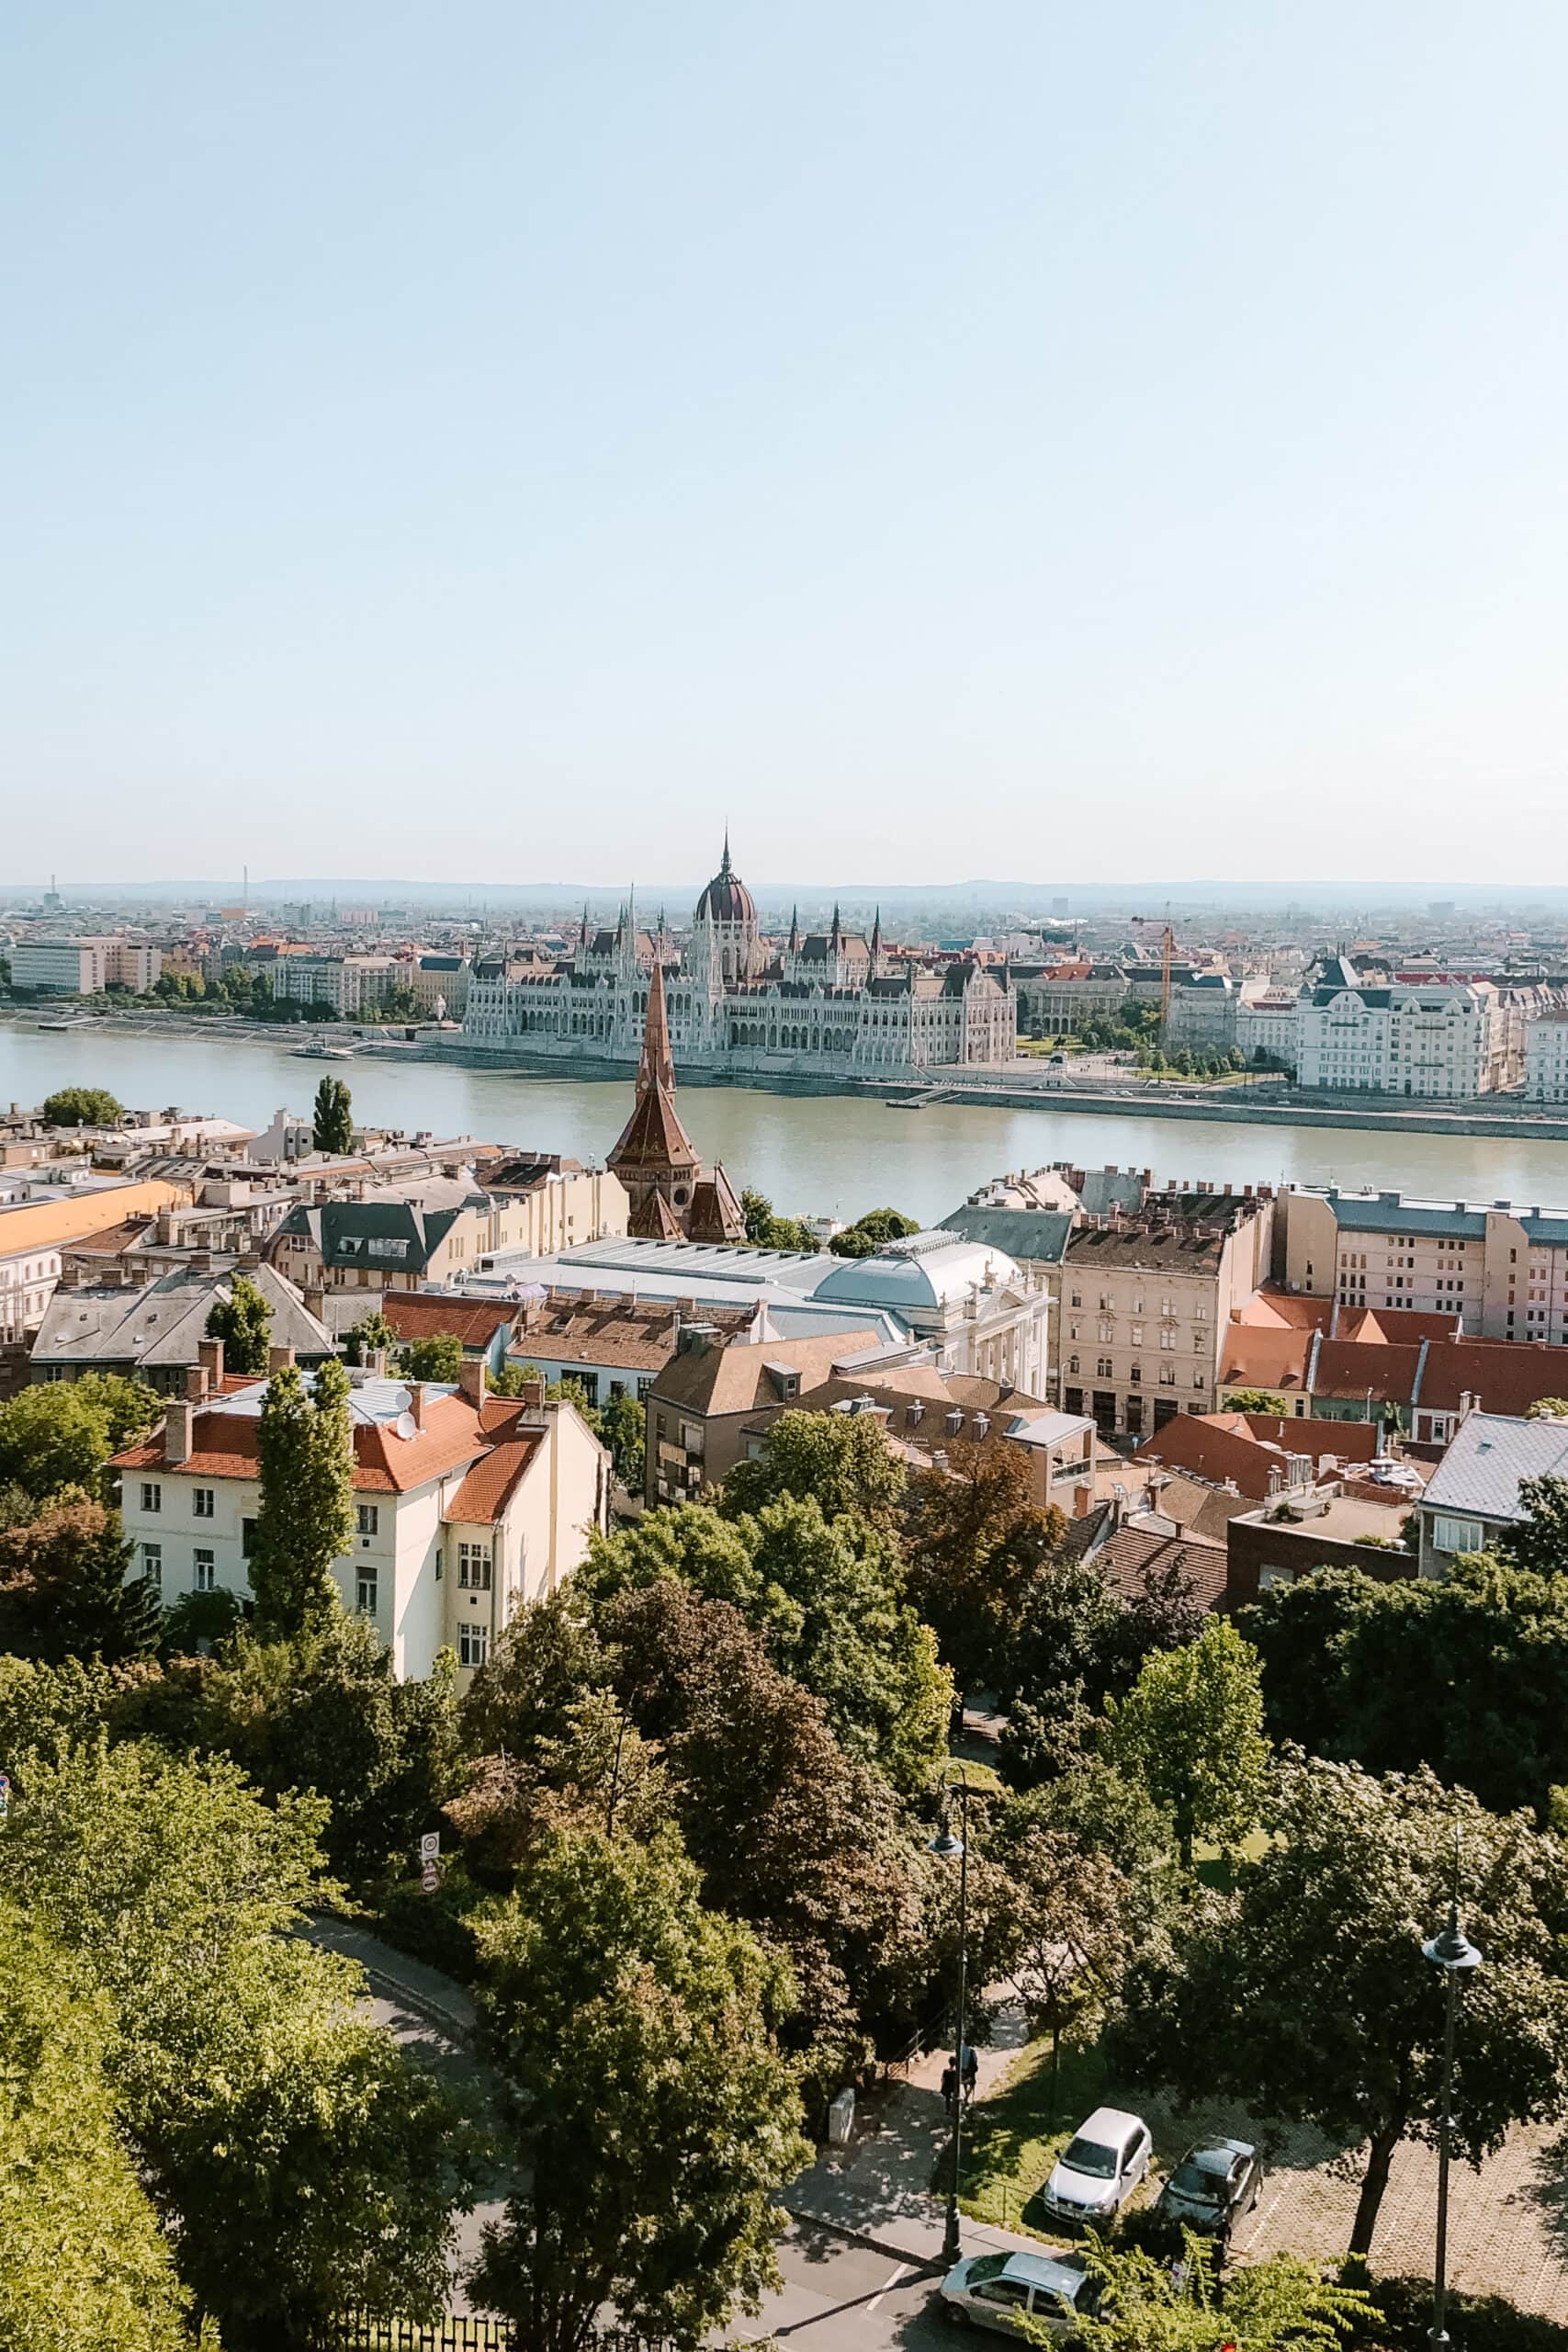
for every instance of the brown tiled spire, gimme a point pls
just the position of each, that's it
(653, 1140)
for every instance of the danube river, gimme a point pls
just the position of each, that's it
(818, 1154)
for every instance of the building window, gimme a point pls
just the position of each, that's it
(201, 1502)
(1072, 1363)
(364, 1594)
(1199, 1380)
(1458, 1534)
(247, 1538)
(473, 1644)
(367, 1518)
(1102, 1368)
(151, 1497)
(473, 1566)
(1168, 1375)
(206, 1576)
(152, 1564)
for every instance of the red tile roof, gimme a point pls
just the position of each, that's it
(425, 1315)
(1133, 1552)
(228, 1446)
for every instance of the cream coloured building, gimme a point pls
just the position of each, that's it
(1502, 1270)
(465, 1505)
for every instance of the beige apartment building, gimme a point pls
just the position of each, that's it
(1502, 1270)
(1143, 1300)
(436, 1230)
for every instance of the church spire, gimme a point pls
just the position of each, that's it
(656, 1071)
(876, 945)
(794, 929)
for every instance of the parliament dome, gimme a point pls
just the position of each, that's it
(726, 899)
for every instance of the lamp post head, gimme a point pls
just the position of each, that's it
(945, 1844)
(1452, 1950)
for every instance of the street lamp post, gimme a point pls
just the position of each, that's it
(1454, 1953)
(946, 1845)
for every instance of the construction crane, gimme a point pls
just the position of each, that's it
(1167, 950)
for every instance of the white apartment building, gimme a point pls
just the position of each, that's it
(1450, 1040)
(1270, 1023)
(1502, 1270)
(1546, 1057)
(465, 1505)
(350, 984)
(82, 967)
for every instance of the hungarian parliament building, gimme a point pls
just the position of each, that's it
(736, 1000)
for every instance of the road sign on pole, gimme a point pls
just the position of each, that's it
(430, 1877)
(430, 1846)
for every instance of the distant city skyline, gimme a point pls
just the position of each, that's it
(513, 440)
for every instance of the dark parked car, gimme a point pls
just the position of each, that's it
(1213, 2187)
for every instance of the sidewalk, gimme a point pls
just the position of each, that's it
(421, 1988)
(878, 2189)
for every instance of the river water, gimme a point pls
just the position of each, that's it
(828, 1154)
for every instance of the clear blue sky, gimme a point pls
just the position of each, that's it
(497, 440)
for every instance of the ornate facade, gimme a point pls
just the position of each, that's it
(735, 1000)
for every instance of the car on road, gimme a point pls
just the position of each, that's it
(1055, 2289)
(1101, 2166)
(1216, 2182)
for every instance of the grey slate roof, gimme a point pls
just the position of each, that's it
(1020, 1233)
(1480, 1475)
(89, 1328)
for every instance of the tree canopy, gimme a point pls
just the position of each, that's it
(58, 1434)
(438, 1357)
(64, 1593)
(81, 1106)
(332, 1127)
(83, 2264)
(303, 2163)
(305, 1514)
(840, 1461)
(1191, 1731)
(1305, 1994)
(650, 2110)
(244, 1322)
(872, 1232)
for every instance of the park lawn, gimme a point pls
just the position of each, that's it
(1213, 1869)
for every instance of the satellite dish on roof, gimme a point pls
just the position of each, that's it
(407, 1427)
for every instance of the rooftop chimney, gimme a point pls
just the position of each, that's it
(195, 1384)
(280, 1360)
(471, 1380)
(209, 1356)
(177, 1431)
(416, 1403)
(534, 1390)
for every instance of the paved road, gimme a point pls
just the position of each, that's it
(842, 2298)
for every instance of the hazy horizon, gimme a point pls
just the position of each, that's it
(517, 438)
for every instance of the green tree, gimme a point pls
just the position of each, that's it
(825, 1597)
(1539, 1538)
(1548, 1408)
(767, 1231)
(64, 1593)
(841, 1460)
(84, 2264)
(60, 1434)
(305, 1515)
(870, 1233)
(332, 1120)
(649, 2109)
(327, 1712)
(1073, 1914)
(1281, 2300)
(199, 1621)
(623, 1425)
(1257, 1400)
(975, 1543)
(244, 1322)
(438, 1357)
(373, 1334)
(81, 1106)
(791, 1835)
(1304, 1993)
(1191, 1730)
(302, 2162)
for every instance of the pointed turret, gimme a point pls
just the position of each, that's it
(794, 929)
(876, 945)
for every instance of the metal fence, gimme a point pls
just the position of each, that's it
(457, 2332)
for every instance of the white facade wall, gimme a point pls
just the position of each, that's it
(1447, 1042)
(1269, 1025)
(1546, 1059)
(58, 967)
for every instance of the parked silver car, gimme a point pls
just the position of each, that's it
(998, 2289)
(1099, 2168)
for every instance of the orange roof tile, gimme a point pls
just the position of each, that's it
(423, 1315)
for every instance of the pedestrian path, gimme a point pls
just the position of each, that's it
(878, 2189)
